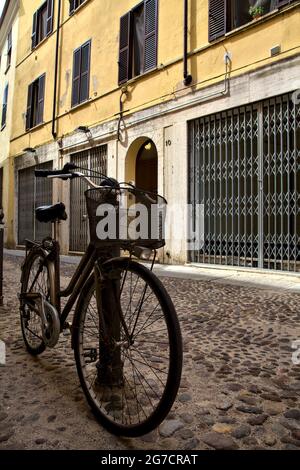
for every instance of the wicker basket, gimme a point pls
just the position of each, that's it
(125, 217)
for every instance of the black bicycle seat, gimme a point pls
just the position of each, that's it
(51, 213)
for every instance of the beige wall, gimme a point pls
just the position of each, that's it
(7, 76)
(98, 20)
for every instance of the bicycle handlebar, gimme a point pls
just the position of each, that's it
(46, 173)
(66, 173)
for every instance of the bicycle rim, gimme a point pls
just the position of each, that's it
(131, 388)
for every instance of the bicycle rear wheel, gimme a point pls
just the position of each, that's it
(36, 278)
(144, 376)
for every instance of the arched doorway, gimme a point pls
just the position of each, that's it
(146, 167)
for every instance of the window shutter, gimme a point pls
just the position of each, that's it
(76, 77)
(29, 107)
(217, 19)
(85, 72)
(50, 13)
(34, 31)
(9, 41)
(280, 3)
(4, 106)
(124, 52)
(72, 6)
(151, 30)
(41, 98)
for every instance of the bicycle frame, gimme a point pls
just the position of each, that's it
(79, 278)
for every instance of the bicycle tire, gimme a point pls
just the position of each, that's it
(33, 256)
(172, 384)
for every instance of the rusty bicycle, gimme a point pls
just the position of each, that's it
(125, 331)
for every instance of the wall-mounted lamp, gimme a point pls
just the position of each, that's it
(29, 150)
(84, 129)
(148, 146)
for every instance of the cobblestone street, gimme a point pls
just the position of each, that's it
(240, 389)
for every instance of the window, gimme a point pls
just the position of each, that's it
(42, 22)
(35, 103)
(9, 50)
(226, 15)
(81, 74)
(4, 107)
(74, 4)
(138, 40)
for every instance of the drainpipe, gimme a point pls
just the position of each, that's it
(187, 78)
(54, 133)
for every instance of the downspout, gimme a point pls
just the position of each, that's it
(187, 78)
(54, 133)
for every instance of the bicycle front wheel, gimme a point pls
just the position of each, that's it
(130, 387)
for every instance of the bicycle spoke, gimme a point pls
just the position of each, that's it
(128, 381)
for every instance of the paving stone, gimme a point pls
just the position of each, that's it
(3, 416)
(257, 420)
(51, 418)
(185, 433)
(244, 430)
(169, 427)
(269, 440)
(185, 397)
(290, 424)
(224, 405)
(293, 414)
(249, 409)
(273, 409)
(222, 428)
(191, 444)
(219, 441)
(40, 441)
(151, 437)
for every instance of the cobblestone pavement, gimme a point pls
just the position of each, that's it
(240, 388)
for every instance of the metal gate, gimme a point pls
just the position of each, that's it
(94, 159)
(33, 192)
(244, 173)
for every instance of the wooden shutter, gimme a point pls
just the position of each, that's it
(9, 41)
(76, 77)
(29, 107)
(50, 13)
(41, 99)
(4, 107)
(85, 72)
(217, 19)
(34, 31)
(280, 3)
(151, 23)
(72, 6)
(124, 52)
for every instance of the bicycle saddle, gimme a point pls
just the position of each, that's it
(51, 213)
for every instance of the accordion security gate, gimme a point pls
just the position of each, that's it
(244, 174)
(33, 192)
(94, 159)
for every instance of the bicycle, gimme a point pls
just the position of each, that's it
(125, 332)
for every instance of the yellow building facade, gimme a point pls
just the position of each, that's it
(176, 96)
(8, 54)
